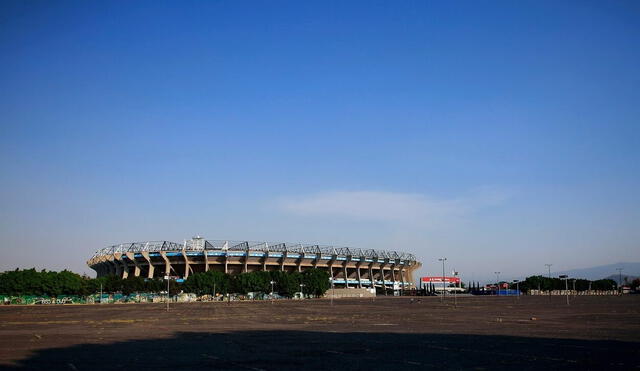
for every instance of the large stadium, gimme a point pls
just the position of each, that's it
(348, 267)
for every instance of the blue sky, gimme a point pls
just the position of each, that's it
(503, 135)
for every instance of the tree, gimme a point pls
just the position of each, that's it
(316, 282)
(251, 282)
(206, 282)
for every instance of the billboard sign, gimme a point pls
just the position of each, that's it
(435, 279)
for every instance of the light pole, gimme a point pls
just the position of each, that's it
(333, 291)
(167, 278)
(455, 297)
(443, 284)
(301, 293)
(497, 283)
(566, 285)
(619, 279)
(517, 282)
(272, 282)
(101, 293)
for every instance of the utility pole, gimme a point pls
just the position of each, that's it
(497, 282)
(619, 279)
(443, 284)
(549, 269)
(517, 282)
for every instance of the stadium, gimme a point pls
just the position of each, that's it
(348, 267)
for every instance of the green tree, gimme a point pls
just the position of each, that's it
(286, 284)
(316, 282)
(251, 282)
(206, 282)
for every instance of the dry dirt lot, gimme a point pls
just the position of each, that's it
(391, 333)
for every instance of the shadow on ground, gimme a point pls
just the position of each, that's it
(278, 350)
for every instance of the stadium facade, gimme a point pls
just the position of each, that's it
(348, 267)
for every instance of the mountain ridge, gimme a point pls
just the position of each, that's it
(630, 269)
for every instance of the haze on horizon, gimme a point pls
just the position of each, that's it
(502, 135)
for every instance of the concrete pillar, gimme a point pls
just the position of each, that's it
(186, 265)
(358, 273)
(331, 263)
(393, 278)
(346, 277)
(381, 271)
(136, 269)
(206, 261)
(167, 263)
(125, 267)
(226, 262)
(282, 259)
(346, 272)
(246, 259)
(265, 257)
(371, 278)
(145, 254)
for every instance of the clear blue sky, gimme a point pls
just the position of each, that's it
(503, 135)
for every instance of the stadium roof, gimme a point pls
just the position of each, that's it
(197, 244)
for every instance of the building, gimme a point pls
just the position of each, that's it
(441, 283)
(348, 267)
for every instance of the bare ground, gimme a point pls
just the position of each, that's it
(479, 333)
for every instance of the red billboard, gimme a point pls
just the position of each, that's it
(436, 279)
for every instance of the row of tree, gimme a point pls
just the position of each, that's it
(547, 283)
(31, 282)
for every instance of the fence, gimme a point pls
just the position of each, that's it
(133, 298)
(574, 292)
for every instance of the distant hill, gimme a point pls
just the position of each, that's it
(626, 277)
(631, 270)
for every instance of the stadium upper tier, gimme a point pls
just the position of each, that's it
(346, 265)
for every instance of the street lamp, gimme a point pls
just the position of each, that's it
(455, 297)
(443, 285)
(517, 282)
(497, 283)
(167, 278)
(272, 283)
(566, 285)
(301, 293)
(333, 291)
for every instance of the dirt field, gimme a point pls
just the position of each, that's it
(480, 333)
